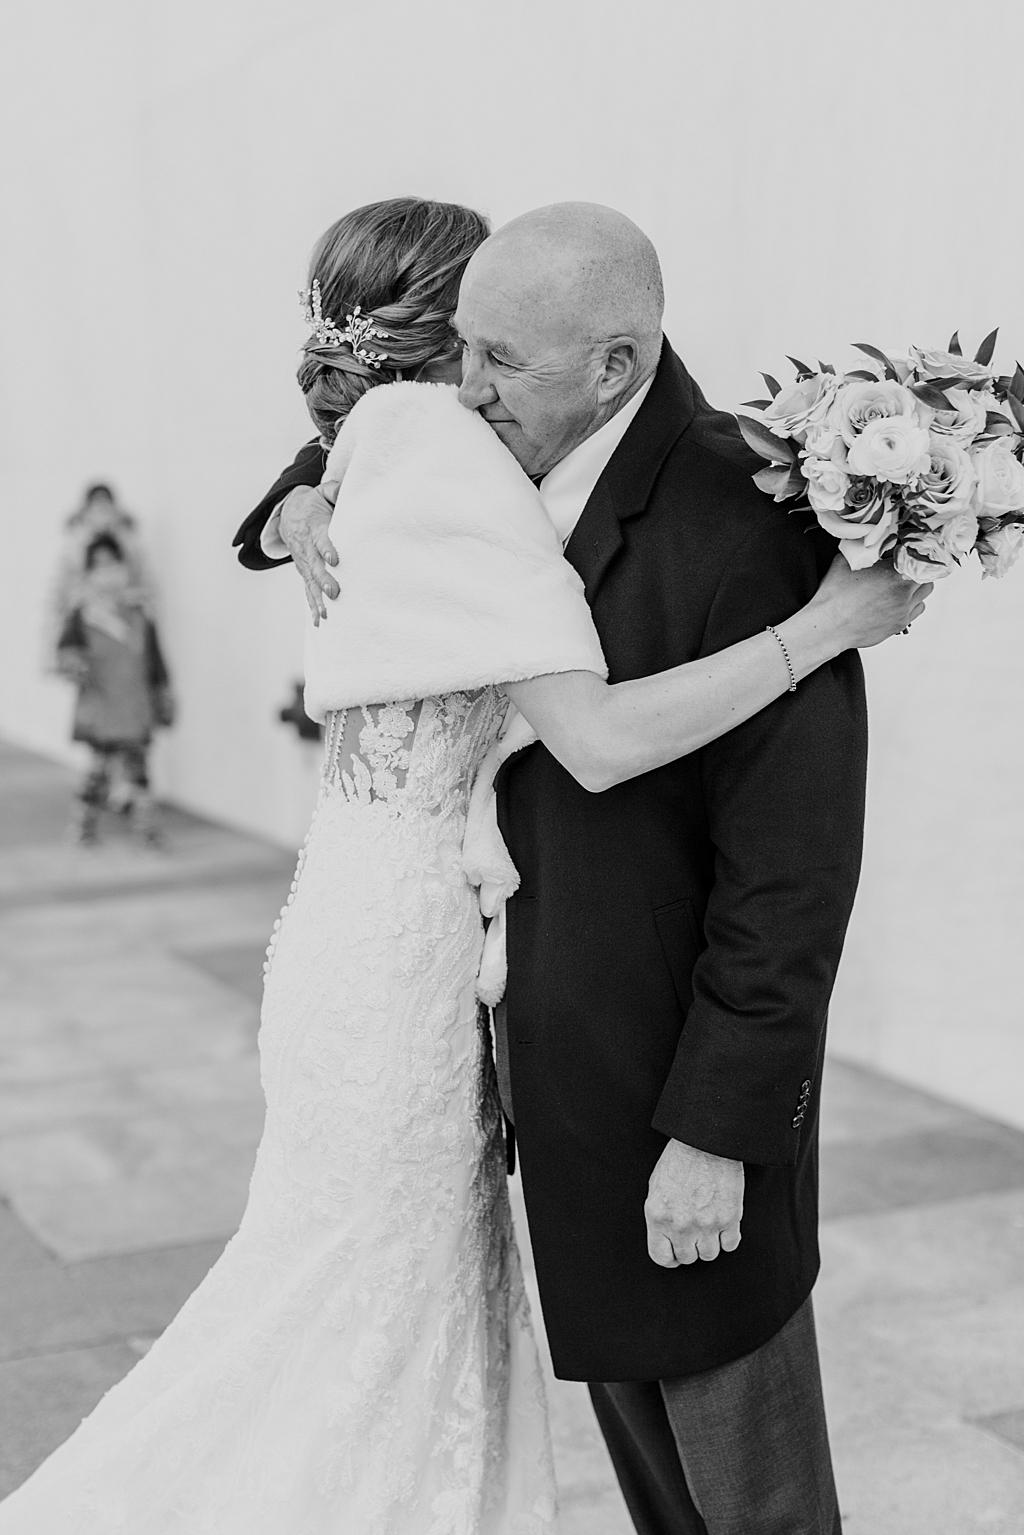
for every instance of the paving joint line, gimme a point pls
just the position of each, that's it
(73, 1346)
(71, 895)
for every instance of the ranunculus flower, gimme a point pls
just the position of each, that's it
(890, 447)
(924, 557)
(930, 362)
(945, 486)
(863, 524)
(859, 403)
(966, 419)
(999, 548)
(1000, 483)
(827, 484)
(801, 405)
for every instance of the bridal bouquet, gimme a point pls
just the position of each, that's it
(919, 457)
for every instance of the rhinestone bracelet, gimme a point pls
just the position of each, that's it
(792, 674)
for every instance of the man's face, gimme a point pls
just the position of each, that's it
(526, 369)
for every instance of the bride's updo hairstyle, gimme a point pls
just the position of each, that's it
(401, 263)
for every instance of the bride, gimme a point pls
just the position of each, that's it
(360, 1360)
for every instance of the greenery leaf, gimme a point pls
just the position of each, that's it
(954, 344)
(756, 404)
(825, 367)
(802, 370)
(931, 396)
(777, 450)
(1017, 409)
(773, 481)
(997, 425)
(1016, 384)
(773, 384)
(872, 351)
(983, 355)
(797, 483)
(952, 382)
(869, 378)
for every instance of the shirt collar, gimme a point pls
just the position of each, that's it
(566, 489)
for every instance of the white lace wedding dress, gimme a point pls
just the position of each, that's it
(360, 1361)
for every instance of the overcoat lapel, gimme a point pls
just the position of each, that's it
(625, 486)
(597, 537)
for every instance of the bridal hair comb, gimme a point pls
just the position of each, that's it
(359, 328)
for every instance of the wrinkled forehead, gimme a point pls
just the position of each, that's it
(527, 299)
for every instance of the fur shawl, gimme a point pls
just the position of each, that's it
(452, 577)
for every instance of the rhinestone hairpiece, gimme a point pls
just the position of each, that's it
(359, 328)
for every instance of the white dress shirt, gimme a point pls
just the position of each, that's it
(566, 489)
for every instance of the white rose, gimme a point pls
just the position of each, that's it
(892, 448)
(967, 418)
(859, 403)
(924, 557)
(801, 405)
(959, 534)
(827, 484)
(998, 549)
(930, 362)
(946, 485)
(1000, 479)
(824, 441)
(863, 524)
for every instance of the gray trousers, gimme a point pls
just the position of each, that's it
(741, 1450)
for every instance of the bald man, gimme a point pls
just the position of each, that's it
(674, 942)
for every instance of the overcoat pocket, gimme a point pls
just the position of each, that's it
(682, 943)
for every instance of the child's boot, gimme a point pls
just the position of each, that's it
(144, 816)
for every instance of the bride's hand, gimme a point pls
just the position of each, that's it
(865, 607)
(305, 518)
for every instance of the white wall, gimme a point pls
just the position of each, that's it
(812, 172)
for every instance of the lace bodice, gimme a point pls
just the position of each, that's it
(370, 750)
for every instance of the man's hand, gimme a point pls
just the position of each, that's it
(305, 514)
(694, 1206)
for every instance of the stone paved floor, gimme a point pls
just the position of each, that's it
(130, 1107)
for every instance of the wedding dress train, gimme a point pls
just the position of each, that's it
(360, 1361)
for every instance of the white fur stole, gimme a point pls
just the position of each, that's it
(451, 574)
(452, 578)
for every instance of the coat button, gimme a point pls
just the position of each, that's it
(798, 1121)
(805, 1086)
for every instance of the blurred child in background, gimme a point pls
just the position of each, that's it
(109, 648)
(99, 512)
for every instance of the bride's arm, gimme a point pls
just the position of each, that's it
(604, 734)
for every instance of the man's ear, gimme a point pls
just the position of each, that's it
(621, 360)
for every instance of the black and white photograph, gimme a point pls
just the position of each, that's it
(511, 767)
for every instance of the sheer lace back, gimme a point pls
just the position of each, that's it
(413, 755)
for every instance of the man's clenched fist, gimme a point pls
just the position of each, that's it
(305, 515)
(694, 1206)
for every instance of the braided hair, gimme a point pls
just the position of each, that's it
(401, 261)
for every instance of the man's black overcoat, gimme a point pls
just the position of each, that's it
(674, 942)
